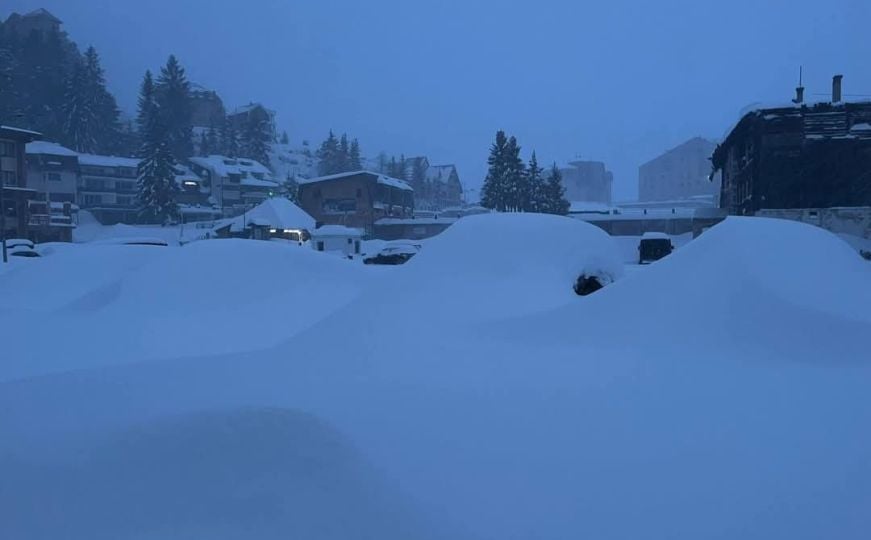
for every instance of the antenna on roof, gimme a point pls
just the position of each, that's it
(799, 90)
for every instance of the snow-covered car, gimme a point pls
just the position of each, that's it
(654, 246)
(22, 250)
(397, 254)
(18, 242)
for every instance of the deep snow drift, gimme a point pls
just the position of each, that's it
(109, 304)
(719, 393)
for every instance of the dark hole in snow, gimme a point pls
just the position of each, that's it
(587, 285)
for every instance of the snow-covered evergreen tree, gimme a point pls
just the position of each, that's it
(284, 138)
(90, 113)
(536, 194)
(146, 102)
(355, 161)
(515, 177)
(328, 154)
(343, 157)
(291, 189)
(156, 175)
(229, 139)
(173, 95)
(555, 198)
(255, 139)
(494, 193)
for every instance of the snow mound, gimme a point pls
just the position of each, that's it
(508, 264)
(119, 304)
(258, 473)
(784, 284)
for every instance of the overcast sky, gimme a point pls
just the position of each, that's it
(615, 80)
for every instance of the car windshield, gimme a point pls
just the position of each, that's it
(435, 269)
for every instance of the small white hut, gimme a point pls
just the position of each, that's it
(337, 238)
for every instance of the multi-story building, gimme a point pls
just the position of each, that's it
(800, 156)
(436, 187)
(356, 199)
(14, 193)
(53, 171)
(587, 181)
(253, 113)
(234, 184)
(107, 188)
(679, 174)
(39, 20)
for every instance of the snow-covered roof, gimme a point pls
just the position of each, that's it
(861, 127)
(276, 212)
(226, 166)
(439, 172)
(254, 182)
(49, 149)
(653, 235)
(589, 206)
(381, 179)
(22, 131)
(107, 161)
(336, 230)
(416, 221)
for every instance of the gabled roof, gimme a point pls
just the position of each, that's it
(225, 166)
(49, 149)
(19, 133)
(277, 212)
(380, 178)
(107, 161)
(440, 172)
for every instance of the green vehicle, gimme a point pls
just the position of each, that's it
(654, 246)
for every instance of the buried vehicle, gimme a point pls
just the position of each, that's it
(399, 254)
(654, 246)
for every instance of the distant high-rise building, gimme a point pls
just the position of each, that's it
(588, 181)
(679, 174)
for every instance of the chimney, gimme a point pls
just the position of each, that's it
(799, 95)
(836, 88)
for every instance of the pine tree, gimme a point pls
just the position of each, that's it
(535, 197)
(284, 138)
(355, 161)
(494, 191)
(328, 154)
(212, 143)
(229, 139)
(343, 158)
(392, 167)
(291, 189)
(255, 139)
(145, 102)
(174, 100)
(382, 163)
(515, 177)
(156, 175)
(555, 198)
(90, 113)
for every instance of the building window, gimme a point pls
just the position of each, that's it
(359, 193)
(320, 245)
(7, 149)
(339, 206)
(52, 177)
(9, 178)
(92, 200)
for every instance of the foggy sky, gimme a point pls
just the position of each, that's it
(614, 80)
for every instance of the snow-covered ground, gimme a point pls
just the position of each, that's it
(719, 393)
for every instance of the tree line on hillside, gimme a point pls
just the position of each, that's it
(48, 85)
(513, 186)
